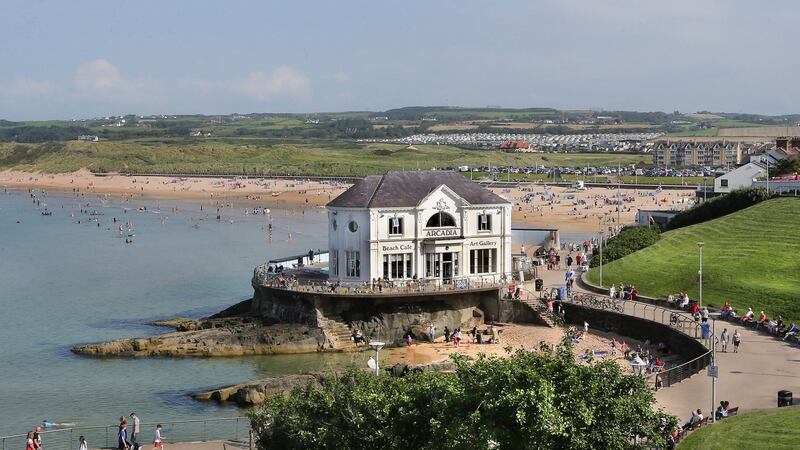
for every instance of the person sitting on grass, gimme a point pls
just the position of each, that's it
(725, 311)
(792, 331)
(762, 320)
(748, 316)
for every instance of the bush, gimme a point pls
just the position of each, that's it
(719, 206)
(628, 241)
(528, 400)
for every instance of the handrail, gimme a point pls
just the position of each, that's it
(228, 428)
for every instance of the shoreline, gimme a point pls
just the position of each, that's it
(534, 206)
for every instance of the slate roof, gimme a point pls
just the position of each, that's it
(407, 189)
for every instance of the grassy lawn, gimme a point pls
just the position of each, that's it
(688, 181)
(768, 430)
(262, 156)
(749, 259)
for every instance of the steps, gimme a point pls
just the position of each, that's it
(541, 310)
(336, 331)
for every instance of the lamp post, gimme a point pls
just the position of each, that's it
(601, 258)
(377, 346)
(700, 272)
(714, 372)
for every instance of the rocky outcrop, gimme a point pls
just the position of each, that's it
(228, 337)
(258, 391)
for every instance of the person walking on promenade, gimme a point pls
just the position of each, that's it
(737, 339)
(122, 434)
(135, 434)
(158, 441)
(37, 439)
(29, 444)
(82, 444)
(724, 338)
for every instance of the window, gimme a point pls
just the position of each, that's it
(352, 226)
(333, 265)
(484, 222)
(395, 225)
(353, 264)
(483, 260)
(441, 219)
(723, 182)
(397, 266)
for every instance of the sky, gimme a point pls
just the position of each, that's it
(85, 58)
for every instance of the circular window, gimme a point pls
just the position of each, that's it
(334, 224)
(353, 226)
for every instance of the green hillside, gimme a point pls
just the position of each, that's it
(775, 429)
(750, 258)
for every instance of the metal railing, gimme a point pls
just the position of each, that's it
(681, 321)
(680, 372)
(229, 429)
(422, 285)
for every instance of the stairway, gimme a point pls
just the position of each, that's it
(540, 310)
(336, 331)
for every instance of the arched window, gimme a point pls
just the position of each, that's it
(441, 219)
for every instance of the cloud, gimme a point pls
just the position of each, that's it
(283, 82)
(342, 77)
(99, 75)
(26, 87)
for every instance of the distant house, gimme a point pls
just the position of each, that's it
(88, 137)
(741, 177)
(654, 217)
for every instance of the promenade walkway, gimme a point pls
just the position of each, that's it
(749, 379)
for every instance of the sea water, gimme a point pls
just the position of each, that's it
(64, 283)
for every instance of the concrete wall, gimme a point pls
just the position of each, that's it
(635, 327)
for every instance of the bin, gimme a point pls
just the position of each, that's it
(784, 398)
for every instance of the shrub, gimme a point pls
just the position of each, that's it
(719, 206)
(627, 242)
(528, 400)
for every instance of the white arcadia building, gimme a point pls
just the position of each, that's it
(430, 225)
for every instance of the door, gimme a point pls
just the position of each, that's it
(447, 266)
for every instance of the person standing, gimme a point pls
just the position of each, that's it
(82, 444)
(37, 439)
(724, 338)
(433, 332)
(135, 434)
(737, 339)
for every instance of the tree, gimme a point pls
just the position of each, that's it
(527, 400)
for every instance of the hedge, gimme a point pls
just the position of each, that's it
(719, 206)
(627, 242)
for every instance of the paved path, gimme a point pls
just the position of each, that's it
(749, 379)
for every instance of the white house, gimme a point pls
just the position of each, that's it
(740, 177)
(433, 224)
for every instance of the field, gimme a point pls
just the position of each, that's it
(749, 259)
(768, 430)
(270, 157)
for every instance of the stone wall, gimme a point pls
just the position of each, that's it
(380, 317)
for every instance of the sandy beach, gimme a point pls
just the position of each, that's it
(526, 336)
(535, 205)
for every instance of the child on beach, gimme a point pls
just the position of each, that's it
(158, 442)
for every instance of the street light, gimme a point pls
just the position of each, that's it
(601, 258)
(700, 272)
(714, 369)
(377, 346)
